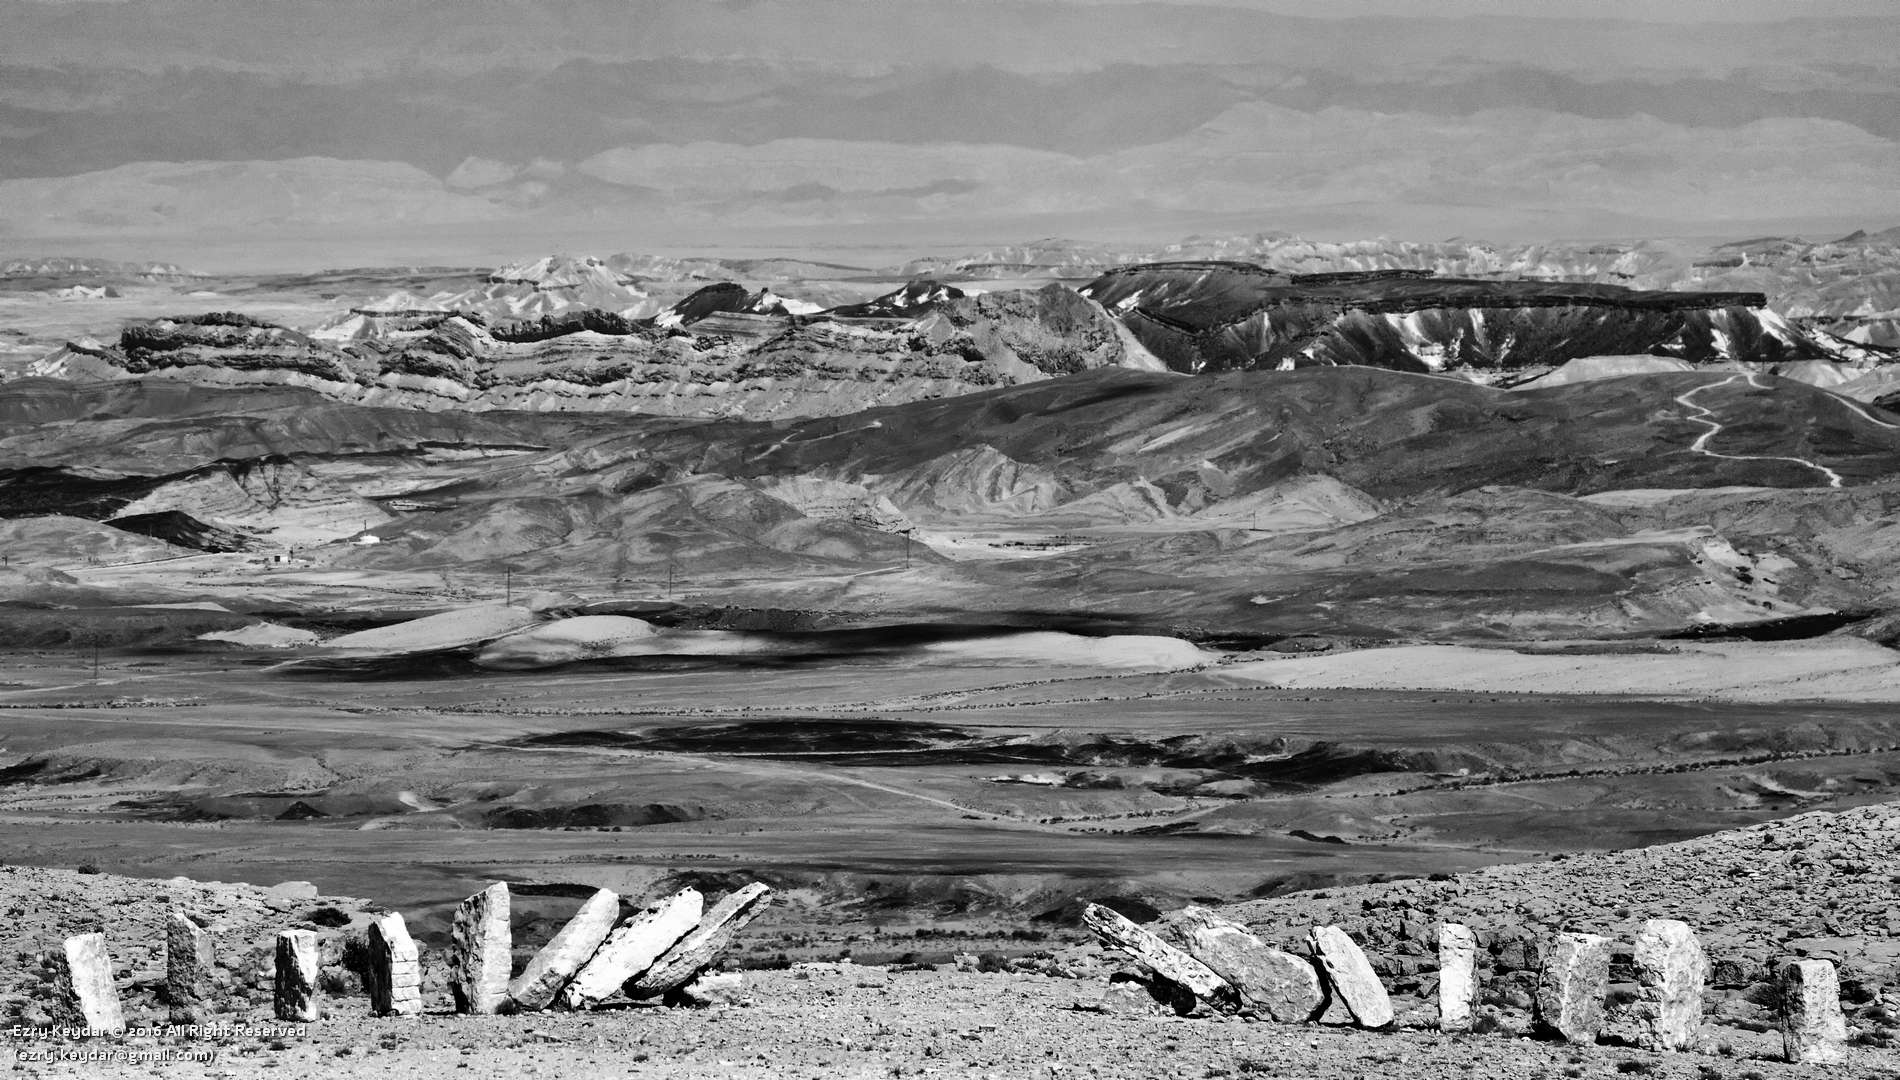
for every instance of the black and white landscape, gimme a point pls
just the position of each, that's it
(1449, 478)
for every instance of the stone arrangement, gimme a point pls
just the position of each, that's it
(190, 960)
(395, 968)
(481, 951)
(1220, 965)
(84, 992)
(298, 996)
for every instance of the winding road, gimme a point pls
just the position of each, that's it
(1707, 417)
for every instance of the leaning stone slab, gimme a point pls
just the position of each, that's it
(633, 947)
(696, 951)
(1269, 982)
(84, 994)
(1671, 971)
(297, 996)
(481, 951)
(1457, 977)
(1157, 955)
(535, 988)
(190, 970)
(1813, 1031)
(395, 968)
(1568, 1002)
(1349, 976)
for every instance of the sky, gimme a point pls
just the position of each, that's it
(399, 129)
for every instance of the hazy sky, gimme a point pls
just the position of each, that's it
(722, 119)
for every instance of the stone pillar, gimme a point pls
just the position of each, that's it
(395, 968)
(298, 995)
(1457, 977)
(1571, 987)
(190, 969)
(1270, 983)
(1813, 1031)
(696, 951)
(480, 951)
(633, 947)
(1349, 976)
(1671, 971)
(84, 994)
(559, 959)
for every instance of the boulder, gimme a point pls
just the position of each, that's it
(1813, 1030)
(1267, 981)
(724, 988)
(481, 951)
(1568, 1001)
(1157, 955)
(395, 968)
(1349, 976)
(696, 951)
(1457, 977)
(633, 947)
(551, 969)
(297, 995)
(84, 994)
(1671, 971)
(190, 970)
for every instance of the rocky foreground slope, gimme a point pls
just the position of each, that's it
(1820, 885)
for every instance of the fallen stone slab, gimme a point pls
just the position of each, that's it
(1671, 972)
(84, 994)
(1457, 977)
(481, 951)
(557, 962)
(395, 968)
(190, 970)
(1568, 1001)
(1158, 956)
(696, 951)
(1349, 976)
(633, 947)
(1813, 1030)
(297, 995)
(1267, 981)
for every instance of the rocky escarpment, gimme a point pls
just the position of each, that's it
(1224, 316)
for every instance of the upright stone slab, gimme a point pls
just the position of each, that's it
(1349, 976)
(696, 951)
(1813, 1031)
(1457, 977)
(1671, 971)
(298, 996)
(1571, 986)
(84, 994)
(1157, 955)
(1271, 983)
(395, 968)
(481, 952)
(535, 988)
(190, 970)
(633, 947)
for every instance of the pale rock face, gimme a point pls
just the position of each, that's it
(395, 968)
(560, 958)
(298, 997)
(1571, 987)
(1275, 984)
(1162, 958)
(1671, 971)
(480, 951)
(1457, 977)
(1813, 1031)
(633, 947)
(83, 991)
(725, 988)
(189, 962)
(696, 951)
(1349, 976)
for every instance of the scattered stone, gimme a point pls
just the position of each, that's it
(633, 947)
(1457, 977)
(395, 968)
(1813, 1030)
(1568, 1002)
(551, 969)
(190, 969)
(1671, 971)
(1162, 958)
(1272, 983)
(297, 994)
(696, 951)
(84, 994)
(724, 988)
(1349, 976)
(480, 952)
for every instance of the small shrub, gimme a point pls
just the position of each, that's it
(1635, 1067)
(89, 868)
(328, 917)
